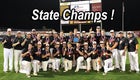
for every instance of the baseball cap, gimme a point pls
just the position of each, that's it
(33, 30)
(94, 42)
(64, 42)
(78, 32)
(101, 42)
(28, 32)
(98, 27)
(9, 29)
(85, 43)
(83, 31)
(129, 32)
(111, 31)
(120, 32)
(54, 32)
(18, 32)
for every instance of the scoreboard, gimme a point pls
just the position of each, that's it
(79, 5)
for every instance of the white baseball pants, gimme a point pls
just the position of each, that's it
(122, 59)
(79, 61)
(8, 55)
(17, 59)
(36, 66)
(133, 58)
(45, 64)
(67, 64)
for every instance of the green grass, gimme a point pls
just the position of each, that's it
(81, 75)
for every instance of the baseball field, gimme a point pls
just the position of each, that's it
(70, 75)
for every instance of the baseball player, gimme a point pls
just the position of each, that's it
(84, 37)
(69, 56)
(133, 52)
(87, 56)
(91, 38)
(37, 58)
(122, 47)
(17, 50)
(47, 58)
(8, 51)
(79, 56)
(27, 58)
(112, 46)
(57, 55)
(27, 40)
(94, 56)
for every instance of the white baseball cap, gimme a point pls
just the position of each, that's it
(9, 29)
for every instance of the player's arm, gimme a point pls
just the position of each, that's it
(23, 43)
(24, 54)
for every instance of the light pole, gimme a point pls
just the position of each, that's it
(123, 10)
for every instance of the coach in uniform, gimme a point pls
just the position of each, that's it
(17, 50)
(133, 52)
(8, 51)
(122, 47)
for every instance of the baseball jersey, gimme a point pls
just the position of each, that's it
(27, 57)
(95, 55)
(37, 56)
(122, 43)
(69, 54)
(132, 42)
(20, 40)
(44, 52)
(112, 41)
(59, 54)
(8, 43)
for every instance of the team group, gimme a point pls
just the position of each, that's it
(95, 50)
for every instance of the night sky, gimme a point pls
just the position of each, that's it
(17, 14)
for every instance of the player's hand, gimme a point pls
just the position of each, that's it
(25, 40)
(18, 42)
(5, 41)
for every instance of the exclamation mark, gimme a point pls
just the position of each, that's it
(112, 14)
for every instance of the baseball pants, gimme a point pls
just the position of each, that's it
(115, 58)
(17, 59)
(95, 64)
(133, 58)
(8, 55)
(36, 66)
(79, 61)
(45, 64)
(57, 63)
(122, 59)
(107, 65)
(67, 64)
(88, 62)
(27, 66)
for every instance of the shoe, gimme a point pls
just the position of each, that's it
(28, 76)
(35, 74)
(65, 71)
(76, 70)
(54, 70)
(112, 68)
(87, 71)
(104, 73)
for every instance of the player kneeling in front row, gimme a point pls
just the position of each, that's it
(106, 58)
(47, 58)
(27, 57)
(37, 58)
(69, 56)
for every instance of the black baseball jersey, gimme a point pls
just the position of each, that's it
(44, 52)
(69, 54)
(59, 54)
(98, 36)
(86, 51)
(77, 53)
(95, 55)
(106, 55)
(91, 39)
(29, 40)
(27, 57)
(84, 39)
(132, 42)
(20, 40)
(9, 41)
(112, 41)
(37, 56)
(122, 43)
